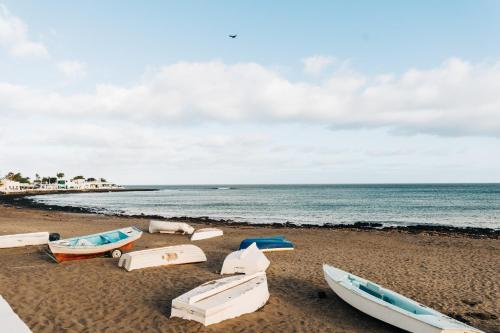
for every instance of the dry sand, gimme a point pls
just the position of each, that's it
(455, 275)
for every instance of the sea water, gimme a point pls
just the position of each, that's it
(460, 205)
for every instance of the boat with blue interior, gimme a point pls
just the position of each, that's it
(113, 242)
(389, 306)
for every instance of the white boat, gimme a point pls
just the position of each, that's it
(19, 240)
(113, 242)
(206, 233)
(222, 299)
(10, 321)
(247, 261)
(389, 306)
(167, 227)
(170, 255)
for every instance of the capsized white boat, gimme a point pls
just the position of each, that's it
(18, 240)
(114, 242)
(9, 320)
(206, 233)
(167, 227)
(247, 261)
(222, 299)
(389, 306)
(169, 255)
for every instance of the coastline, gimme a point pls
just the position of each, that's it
(453, 274)
(23, 201)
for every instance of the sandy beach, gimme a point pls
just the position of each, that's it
(455, 274)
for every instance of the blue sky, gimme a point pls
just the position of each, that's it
(309, 92)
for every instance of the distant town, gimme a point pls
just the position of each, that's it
(17, 183)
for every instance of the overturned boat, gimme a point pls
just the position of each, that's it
(206, 233)
(268, 244)
(10, 320)
(247, 261)
(167, 227)
(389, 306)
(222, 299)
(33, 238)
(113, 242)
(169, 255)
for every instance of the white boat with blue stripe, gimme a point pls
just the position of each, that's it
(389, 306)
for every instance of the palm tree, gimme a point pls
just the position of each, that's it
(60, 175)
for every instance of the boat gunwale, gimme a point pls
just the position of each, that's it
(63, 244)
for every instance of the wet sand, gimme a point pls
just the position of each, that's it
(455, 274)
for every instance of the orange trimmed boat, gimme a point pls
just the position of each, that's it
(113, 242)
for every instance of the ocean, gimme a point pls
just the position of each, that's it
(458, 205)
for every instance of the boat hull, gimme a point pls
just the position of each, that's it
(222, 299)
(164, 256)
(206, 233)
(61, 257)
(167, 227)
(270, 244)
(248, 261)
(20, 240)
(11, 322)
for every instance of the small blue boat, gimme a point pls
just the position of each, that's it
(268, 244)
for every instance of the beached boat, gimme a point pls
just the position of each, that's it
(19, 240)
(113, 242)
(170, 255)
(167, 227)
(10, 321)
(268, 244)
(389, 306)
(222, 299)
(206, 233)
(247, 261)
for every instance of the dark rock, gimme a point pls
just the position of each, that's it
(471, 302)
(481, 315)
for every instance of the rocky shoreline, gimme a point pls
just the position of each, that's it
(24, 201)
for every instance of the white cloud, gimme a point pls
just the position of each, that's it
(455, 98)
(14, 37)
(73, 69)
(316, 64)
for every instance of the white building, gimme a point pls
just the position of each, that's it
(10, 186)
(7, 186)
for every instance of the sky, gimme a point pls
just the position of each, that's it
(309, 92)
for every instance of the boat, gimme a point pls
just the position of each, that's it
(389, 306)
(167, 227)
(206, 233)
(247, 261)
(222, 299)
(113, 242)
(10, 320)
(19, 240)
(170, 255)
(268, 244)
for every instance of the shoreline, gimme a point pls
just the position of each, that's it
(63, 191)
(22, 201)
